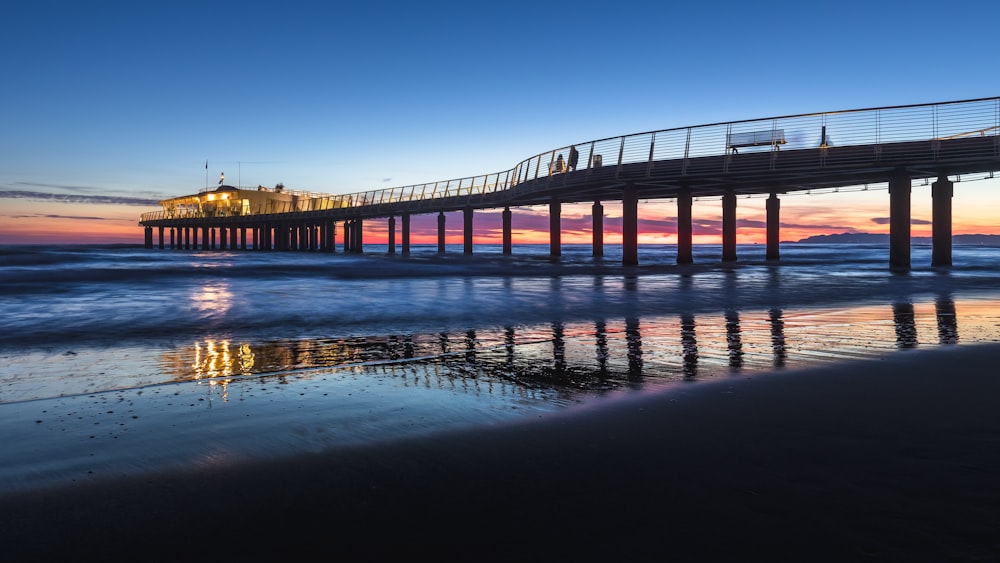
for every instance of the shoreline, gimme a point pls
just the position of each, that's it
(886, 459)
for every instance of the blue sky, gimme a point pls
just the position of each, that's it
(130, 99)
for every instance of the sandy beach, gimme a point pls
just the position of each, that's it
(892, 459)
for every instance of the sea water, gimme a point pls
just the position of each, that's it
(119, 360)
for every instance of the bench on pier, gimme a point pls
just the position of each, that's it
(770, 137)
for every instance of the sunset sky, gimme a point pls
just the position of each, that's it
(108, 107)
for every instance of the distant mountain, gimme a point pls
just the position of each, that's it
(876, 238)
(847, 238)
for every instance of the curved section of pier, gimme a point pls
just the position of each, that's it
(772, 156)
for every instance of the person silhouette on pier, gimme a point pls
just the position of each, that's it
(574, 157)
(560, 164)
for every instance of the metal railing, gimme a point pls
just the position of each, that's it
(874, 127)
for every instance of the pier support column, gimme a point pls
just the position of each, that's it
(467, 230)
(347, 236)
(392, 235)
(899, 220)
(187, 238)
(406, 234)
(255, 238)
(205, 236)
(555, 228)
(173, 238)
(684, 229)
(507, 239)
(941, 193)
(773, 227)
(630, 225)
(147, 237)
(243, 238)
(161, 239)
(441, 232)
(597, 216)
(729, 226)
(223, 238)
(359, 242)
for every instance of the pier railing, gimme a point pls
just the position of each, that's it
(874, 127)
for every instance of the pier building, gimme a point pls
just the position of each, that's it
(943, 143)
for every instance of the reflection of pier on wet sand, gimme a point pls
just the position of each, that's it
(594, 355)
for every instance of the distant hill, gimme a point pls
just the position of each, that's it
(876, 238)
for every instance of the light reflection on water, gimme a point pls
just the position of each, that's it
(212, 299)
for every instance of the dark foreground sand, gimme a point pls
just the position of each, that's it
(895, 459)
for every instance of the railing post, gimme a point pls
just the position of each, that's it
(687, 150)
(649, 163)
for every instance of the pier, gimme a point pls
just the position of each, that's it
(897, 145)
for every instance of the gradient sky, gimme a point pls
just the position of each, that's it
(108, 107)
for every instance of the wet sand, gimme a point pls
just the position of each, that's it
(894, 459)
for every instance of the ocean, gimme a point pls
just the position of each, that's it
(118, 360)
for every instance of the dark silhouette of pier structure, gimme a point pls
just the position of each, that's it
(829, 151)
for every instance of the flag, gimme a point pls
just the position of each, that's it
(206, 165)
(222, 176)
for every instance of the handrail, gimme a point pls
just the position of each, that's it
(869, 126)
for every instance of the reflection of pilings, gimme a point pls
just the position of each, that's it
(470, 346)
(947, 321)
(408, 346)
(601, 335)
(508, 344)
(633, 343)
(906, 328)
(778, 337)
(689, 346)
(558, 348)
(392, 346)
(733, 341)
